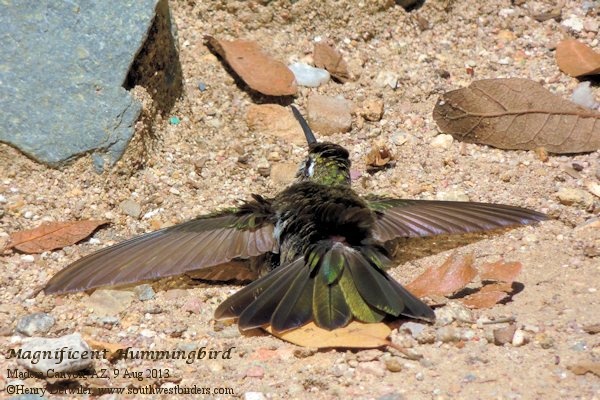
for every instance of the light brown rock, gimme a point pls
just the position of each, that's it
(275, 120)
(283, 172)
(328, 115)
(372, 109)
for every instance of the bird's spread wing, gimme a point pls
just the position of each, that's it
(204, 242)
(417, 218)
(332, 285)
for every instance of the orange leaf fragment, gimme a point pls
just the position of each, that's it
(52, 235)
(356, 335)
(577, 59)
(585, 367)
(113, 350)
(484, 299)
(456, 273)
(500, 271)
(498, 286)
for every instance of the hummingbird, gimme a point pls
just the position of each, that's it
(315, 252)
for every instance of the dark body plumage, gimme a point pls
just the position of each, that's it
(315, 251)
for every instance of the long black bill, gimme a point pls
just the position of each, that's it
(310, 137)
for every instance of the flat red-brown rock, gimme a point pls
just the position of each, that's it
(326, 56)
(260, 72)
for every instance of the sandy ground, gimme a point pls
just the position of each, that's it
(192, 168)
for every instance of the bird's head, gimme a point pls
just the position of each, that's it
(327, 163)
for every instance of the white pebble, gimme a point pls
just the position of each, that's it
(442, 141)
(573, 22)
(2, 199)
(28, 215)
(28, 258)
(519, 338)
(147, 333)
(308, 76)
(584, 96)
(254, 396)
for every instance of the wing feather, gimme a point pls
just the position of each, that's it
(417, 218)
(200, 243)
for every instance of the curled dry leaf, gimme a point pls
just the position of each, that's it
(577, 59)
(355, 335)
(326, 56)
(261, 72)
(500, 271)
(517, 114)
(456, 272)
(52, 235)
(379, 157)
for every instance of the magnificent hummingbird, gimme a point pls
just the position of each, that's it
(315, 252)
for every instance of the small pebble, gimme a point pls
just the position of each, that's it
(309, 76)
(453, 311)
(372, 109)
(375, 368)
(255, 372)
(442, 141)
(27, 258)
(109, 302)
(201, 86)
(504, 335)
(73, 342)
(386, 78)
(544, 340)
(254, 396)
(573, 22)
(131, 208)
(174, 121)
(35, 324)
(571, 196)
(393, 365)
(519, 338)
(144, 292)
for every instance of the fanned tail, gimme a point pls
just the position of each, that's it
(332, 285)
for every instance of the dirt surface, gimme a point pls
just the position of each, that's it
(186, 169)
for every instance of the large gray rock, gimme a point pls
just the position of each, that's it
(64, 70)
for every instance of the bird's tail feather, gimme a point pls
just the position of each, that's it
(332, 285)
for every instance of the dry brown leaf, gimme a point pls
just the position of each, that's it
(261, 72)
(456, 272)
(484, 299)
(517, 114)
(326, 56)
(577, 59)
(355, 335)
(583, 368)
(52, 235)
(500, 271)
(379, 157)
